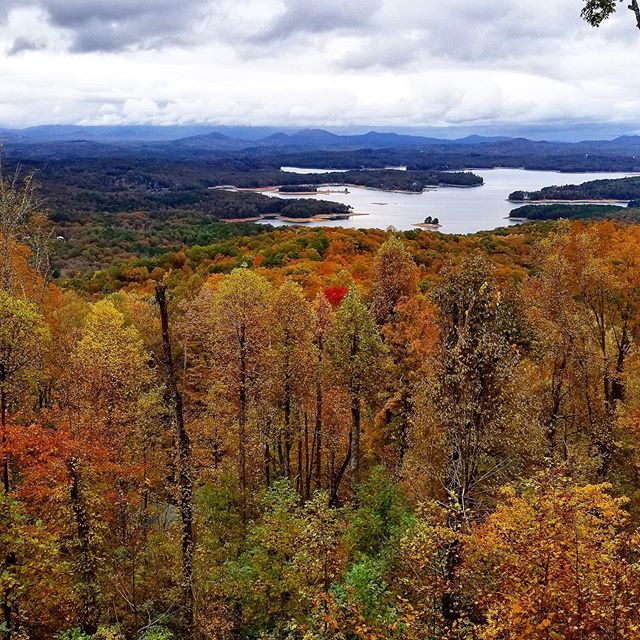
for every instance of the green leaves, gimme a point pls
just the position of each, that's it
(595, 12)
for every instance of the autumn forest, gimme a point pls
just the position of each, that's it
(322, 434)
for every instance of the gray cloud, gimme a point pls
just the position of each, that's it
(308, 16)
(22, 44)
(112, 25)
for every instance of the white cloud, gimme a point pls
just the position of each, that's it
(305, 62)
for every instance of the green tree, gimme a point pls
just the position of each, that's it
(595, 12)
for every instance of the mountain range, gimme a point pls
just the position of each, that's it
(316, 148)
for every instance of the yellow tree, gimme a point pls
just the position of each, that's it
(22, 335)
(410, 339)
(555, 560)
(108, 378)
(395, 277)
(240, 344)
(291, 361)
(357, 358)
(591, 278)
(561, 353)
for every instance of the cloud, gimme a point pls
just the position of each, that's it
(113, 25)
(312, 62)
(21, 44)
(304, 16)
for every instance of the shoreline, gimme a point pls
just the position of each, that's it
(602, 201)
(320, 217)
(328, 191)
(424, 225)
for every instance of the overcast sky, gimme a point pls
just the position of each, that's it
(315, 62)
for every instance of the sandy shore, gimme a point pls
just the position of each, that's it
(324, 217)
(348, 185)
(424, 225)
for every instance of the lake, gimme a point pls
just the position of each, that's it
(460, 210)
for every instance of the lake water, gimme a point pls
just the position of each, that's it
(459, 210)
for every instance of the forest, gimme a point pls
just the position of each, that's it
(108, 211)
(612, 189)
(577, 211)
(322, 434)
(317, 148)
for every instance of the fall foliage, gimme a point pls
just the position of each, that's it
(395, 435)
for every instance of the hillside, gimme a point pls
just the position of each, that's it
(617, 189)
(300, 351)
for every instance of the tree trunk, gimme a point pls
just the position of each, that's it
(405, 429)
(185, 482)
(288, 440)
(267, 453)
(635, 7)
(336, 478)
(10, 558)
(318, 437)
(6, 478)
(89, 588)
(355, 443)
(242, 428)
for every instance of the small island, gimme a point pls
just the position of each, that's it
(429, 223)
(302, 189)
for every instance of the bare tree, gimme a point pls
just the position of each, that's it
(22, 222)
(39, 239)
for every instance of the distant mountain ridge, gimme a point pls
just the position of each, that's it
(263, 146)
(213, 137)
(208, 137)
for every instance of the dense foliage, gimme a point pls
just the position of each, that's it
(110, 211)
(614, 189)
(573, 212)
(315, 434)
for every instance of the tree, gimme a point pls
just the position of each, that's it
(107, 380)
(589, 283)
(561, 337)
(555, 560)
(22, 335)
(239, 349)
(595, 12)
(480, 335)
(183, 460)
(18, 212)
(395, 277)
(410, 339)
(356, 354)
(291, 359)
(322, 322)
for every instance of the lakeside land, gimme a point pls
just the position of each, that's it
(186, 396)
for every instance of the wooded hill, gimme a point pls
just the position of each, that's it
(615, 189)
(326, 434)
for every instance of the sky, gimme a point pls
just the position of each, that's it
(389, 63)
